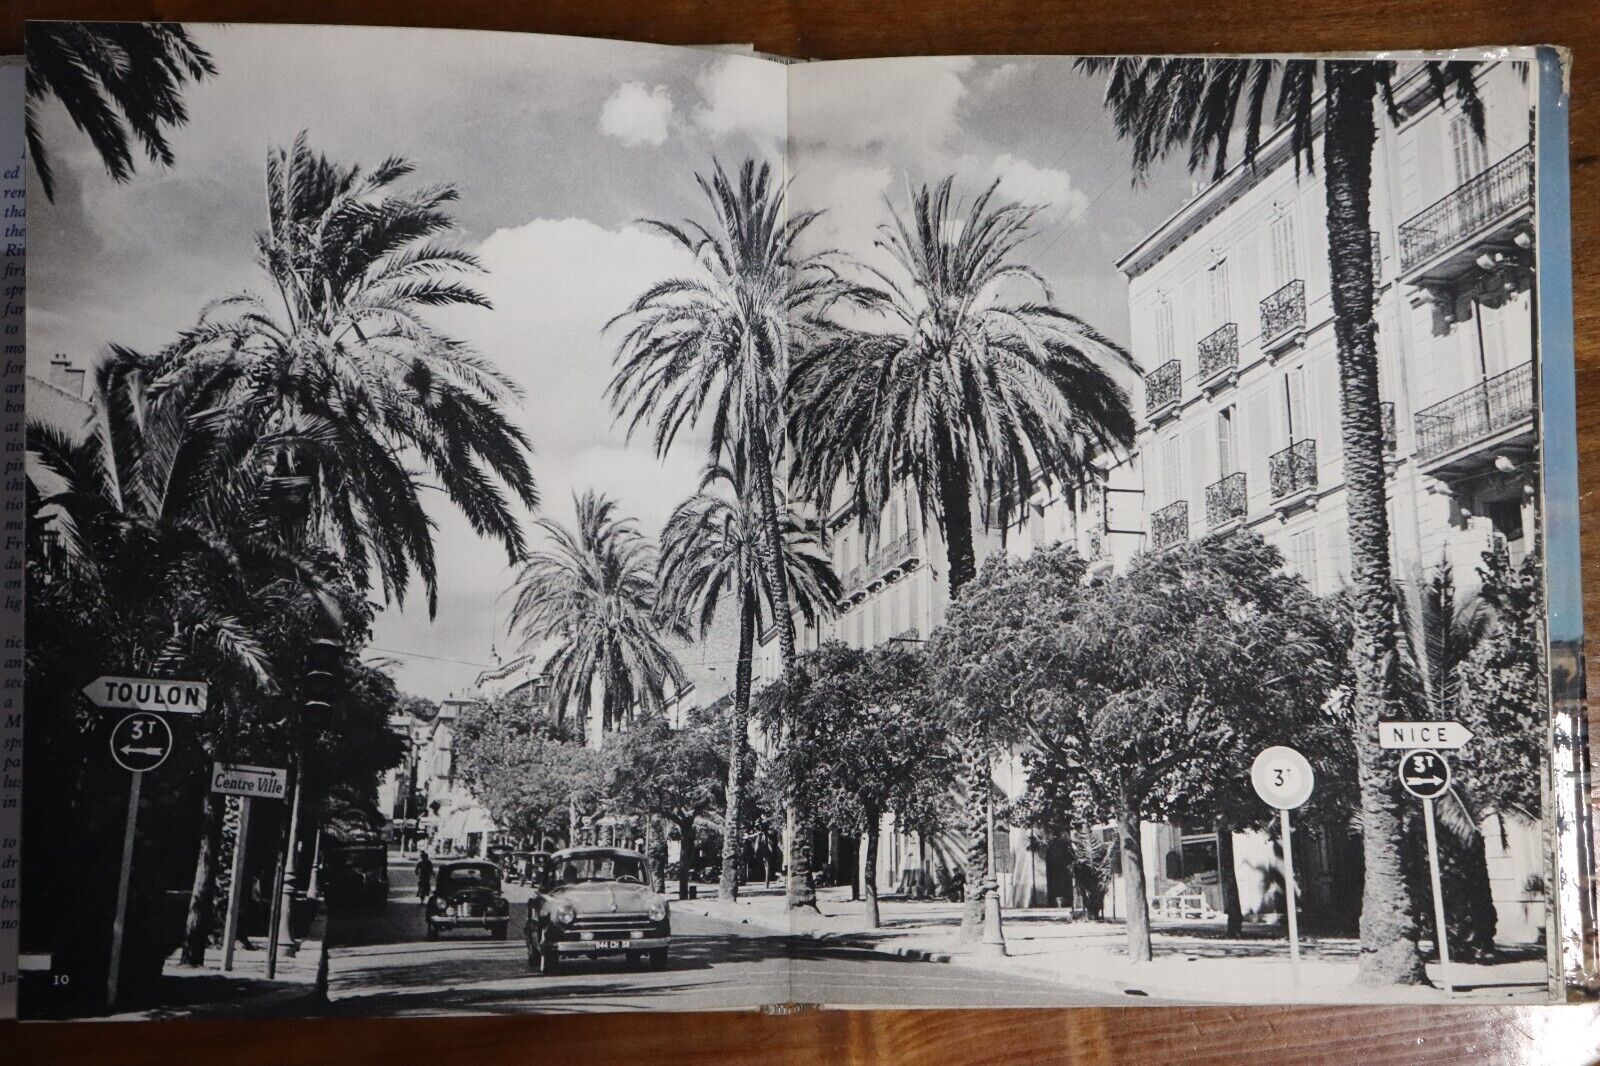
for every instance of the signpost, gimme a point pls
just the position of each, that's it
(139, 743)
(250, 783)
(230, 926)
(1284, 779)
(1426, 775)
(1410, 736)
(148, 694)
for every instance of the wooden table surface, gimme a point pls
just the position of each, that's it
(839, 29)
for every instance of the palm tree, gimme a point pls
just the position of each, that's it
(593, 592)
(711, 548)
(343, 356)
(981, 384)
(1162, 104)
(718, 345)
(119, 81)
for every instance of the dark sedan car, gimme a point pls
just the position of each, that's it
(466, 895)
(596, 902)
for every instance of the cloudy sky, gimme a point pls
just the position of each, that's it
(558, 147)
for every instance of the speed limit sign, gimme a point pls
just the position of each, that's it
(1282, 778)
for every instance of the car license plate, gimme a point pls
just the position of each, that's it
(610, 945)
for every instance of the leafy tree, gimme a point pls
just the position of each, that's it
(719, 343)
(676, 774)
(528, 768)
(119, 82)
(979, 383)
(1161, 105)
(711, 548)
(593, 591)
(862, 742)
(1130, 686)
(342, 357)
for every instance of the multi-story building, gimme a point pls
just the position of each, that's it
(1232, 317)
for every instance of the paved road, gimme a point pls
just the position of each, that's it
(380, 963)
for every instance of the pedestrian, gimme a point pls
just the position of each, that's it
(424, 877)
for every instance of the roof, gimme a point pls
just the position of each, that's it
(573, 853)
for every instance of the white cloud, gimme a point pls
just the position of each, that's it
(744, 95)
(905, 104)
(637, 115)
(1023, 182)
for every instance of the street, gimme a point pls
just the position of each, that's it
(381, 964)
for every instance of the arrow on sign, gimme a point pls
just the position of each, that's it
(128, 749)
(1410, 736)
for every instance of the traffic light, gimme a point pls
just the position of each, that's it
(322, 657)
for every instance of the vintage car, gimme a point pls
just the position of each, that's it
(466, 894)
(595, 902)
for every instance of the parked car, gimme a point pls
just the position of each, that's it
(355, 875)
(466, 895)
(596, 902)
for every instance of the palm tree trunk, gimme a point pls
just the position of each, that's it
(955, 517)
(1389, 952)
(870, 876)
(1133, 878)
(975, 768)
(685, 854)
(799, 888)
(732, 834)
(202, 893)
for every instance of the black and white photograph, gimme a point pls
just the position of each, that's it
(528, 524)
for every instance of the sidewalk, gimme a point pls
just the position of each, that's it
(207, 991)
(1193, 961)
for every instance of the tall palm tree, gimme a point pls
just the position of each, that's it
(119, 81)
(593, 592)
(718, 345)
(342, 355)
(1164, 104)
(979, 384)
(711, 548)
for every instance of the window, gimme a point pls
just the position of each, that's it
(1171, 470)
(1227, 441)
(1470, 154)
(1166, 344)
(1285, 257)
(1303, 558)
(1296, 426)
(1220, 301)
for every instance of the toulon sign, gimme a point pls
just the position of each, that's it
(147, 694)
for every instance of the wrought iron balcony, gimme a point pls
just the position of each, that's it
(1470, 208)
(1219, 352)
(1226, 500)
(1170, 525)
(1283, 314)
(895, 551)
(1293, 470)
(1476, 413)
(1094, 544)
(1163, 387)
(1391, 435)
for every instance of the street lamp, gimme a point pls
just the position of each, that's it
(994, 937)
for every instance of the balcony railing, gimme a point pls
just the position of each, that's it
(1170, 525)
(1163, 386)
(1473, 414)
(1219, 352)
(1226, 500)
(1391, 434)
(893, 551)
(1293, 470)
(1474, 204)
(1284, 312)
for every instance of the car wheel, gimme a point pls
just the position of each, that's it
(433, 931)
(658, 959)
(499, 930)
(533, 952)
(549, 963)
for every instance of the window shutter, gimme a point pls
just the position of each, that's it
(1330, 433)
(1199, 464)
(1285, 261)
(1258, 441)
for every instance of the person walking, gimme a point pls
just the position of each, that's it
(424, 877)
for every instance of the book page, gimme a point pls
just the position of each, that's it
(11, 485)
(329, 737)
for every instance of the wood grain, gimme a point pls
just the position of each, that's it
(839, 29)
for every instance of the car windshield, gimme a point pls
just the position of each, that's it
(458, 877)
(626, 868)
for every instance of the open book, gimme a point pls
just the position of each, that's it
(519, 523)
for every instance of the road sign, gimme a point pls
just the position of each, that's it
(264, 782)
(1282, 778)
(148, 694)
(1424, 773)
(1407, 736)
(141, 742)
